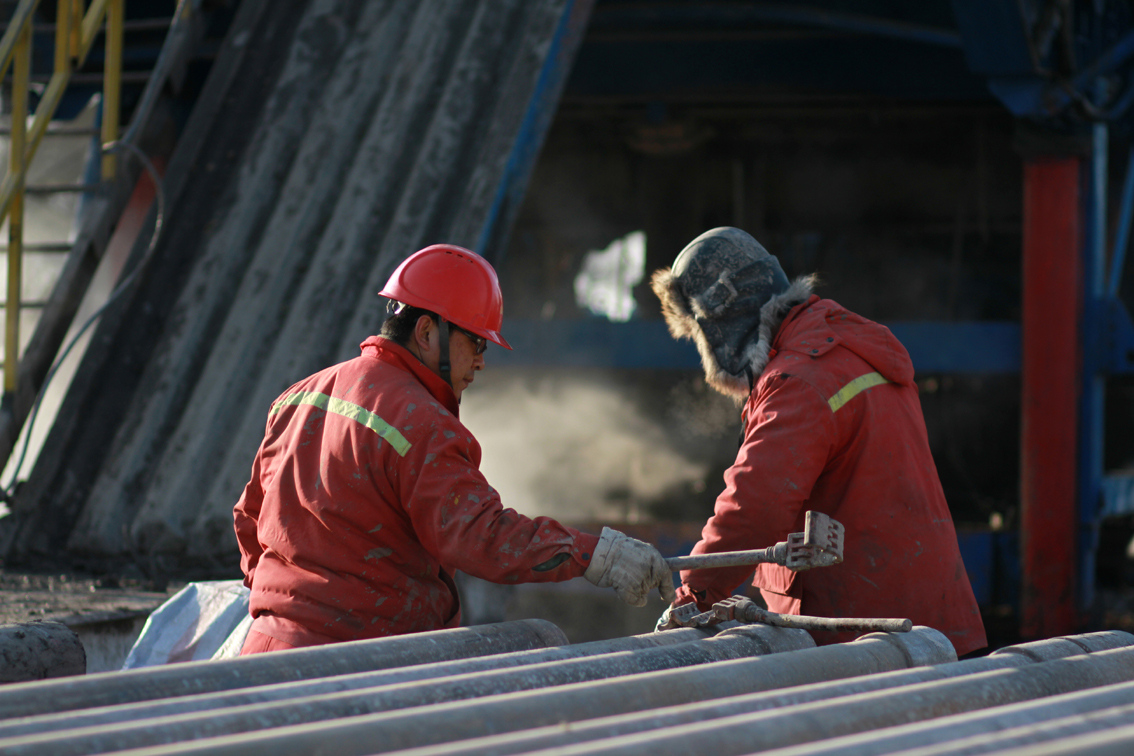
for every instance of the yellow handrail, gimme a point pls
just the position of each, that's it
(74, 36)
(21, 78)
(112, 82)
(20, 19)
(63, 54)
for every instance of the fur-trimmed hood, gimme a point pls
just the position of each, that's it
(734, 349)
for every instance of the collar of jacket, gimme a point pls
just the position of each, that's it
(394, 354)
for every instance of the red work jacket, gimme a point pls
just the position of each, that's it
(834, 425)
(366, 496)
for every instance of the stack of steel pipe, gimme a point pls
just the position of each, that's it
(186, 679)
(516, 688)
(329, 699)
(868, 705)
(373, 703)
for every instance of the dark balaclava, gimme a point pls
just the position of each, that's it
(729, 295)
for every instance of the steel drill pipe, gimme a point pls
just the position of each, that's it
(40, 651)
(458, 720)
(557, 736)
(990, 732)
(740, 643)
(862, 712)
(1116, 742)
(171, 680)
(1051, 649)
(107, 716)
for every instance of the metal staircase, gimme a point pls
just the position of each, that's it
(81, 59)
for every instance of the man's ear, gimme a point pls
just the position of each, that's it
(423, 332)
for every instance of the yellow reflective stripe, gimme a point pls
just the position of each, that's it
(349, 410)
(854, 388)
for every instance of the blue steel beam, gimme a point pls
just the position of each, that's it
(1057, 95)
(1105, 64)
(493, 238)
(998, 43)
(1118, 355)
(995, 37)
(1122, 233)
(1118, 495)
(935, 347)
(660, 16)
(694, 68)
(1092, 397)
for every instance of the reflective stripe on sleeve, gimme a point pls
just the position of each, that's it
(854, 388)
(349, 410)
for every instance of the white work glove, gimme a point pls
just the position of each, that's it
(666, 621)
(629, 566)
(676, 616)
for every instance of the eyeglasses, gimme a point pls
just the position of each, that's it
(479, 342)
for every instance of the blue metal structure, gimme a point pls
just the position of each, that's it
(1113, 351)
(1065, 67)
(988, 347)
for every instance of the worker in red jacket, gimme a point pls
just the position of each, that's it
(832, 423)
(366, 494)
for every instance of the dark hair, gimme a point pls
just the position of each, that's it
(399, 325)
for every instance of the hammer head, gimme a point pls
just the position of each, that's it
(819, 545)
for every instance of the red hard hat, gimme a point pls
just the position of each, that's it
(456, 283)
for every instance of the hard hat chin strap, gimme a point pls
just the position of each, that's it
(444, 368)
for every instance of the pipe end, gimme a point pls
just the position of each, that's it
(922, 646)
(547, 633)
(773, 640)
(1062, 647)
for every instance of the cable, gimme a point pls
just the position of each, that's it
(8, 491)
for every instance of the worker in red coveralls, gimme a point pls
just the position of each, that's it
(832, 423)
(366, 494)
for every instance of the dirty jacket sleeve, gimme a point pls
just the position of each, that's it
(245, 515)
(789, 435)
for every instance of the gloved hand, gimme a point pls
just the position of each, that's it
(666, 621)
(629, 566)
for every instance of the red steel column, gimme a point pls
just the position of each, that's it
(1052, 283)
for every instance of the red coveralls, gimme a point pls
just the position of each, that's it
(834, 425)
(366, 496)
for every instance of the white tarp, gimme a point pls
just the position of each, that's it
(207, 620)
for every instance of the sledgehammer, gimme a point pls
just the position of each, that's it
(819, 545)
